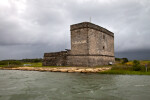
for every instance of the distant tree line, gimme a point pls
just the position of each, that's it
(32, 60)
(10, 62)
(19, 62)
(123, 60)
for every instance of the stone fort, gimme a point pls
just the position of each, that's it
(91, 45)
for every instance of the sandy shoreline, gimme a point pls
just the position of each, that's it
(61, 69)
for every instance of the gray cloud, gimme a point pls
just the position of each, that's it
(28, 28)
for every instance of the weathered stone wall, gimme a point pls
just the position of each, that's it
(100, 43)
(79, 43)
(89, 61)
(55, 59)
(91, 45)
(100, 60)
(77, 61)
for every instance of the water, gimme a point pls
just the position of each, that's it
(32, 85)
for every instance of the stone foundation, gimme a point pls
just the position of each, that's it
(89, 61)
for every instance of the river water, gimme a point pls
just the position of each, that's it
(32, 85)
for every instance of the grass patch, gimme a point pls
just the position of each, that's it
(3, 65)
(125, 72)
(130, 68)
(40, 65)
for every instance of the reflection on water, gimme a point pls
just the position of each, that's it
(32, 85)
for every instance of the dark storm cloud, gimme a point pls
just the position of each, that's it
(129, 20)
(132, 55)
(31, 27)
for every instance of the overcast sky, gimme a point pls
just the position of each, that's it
(28, 28)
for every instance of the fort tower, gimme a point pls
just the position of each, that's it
(91, 45)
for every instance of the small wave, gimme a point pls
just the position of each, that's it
(139, 85)
(91, 91)
(11, 88)
(53, 89)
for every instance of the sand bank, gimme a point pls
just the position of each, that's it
(61, 69)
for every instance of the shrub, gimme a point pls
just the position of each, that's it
(15, 62)
(117, 59)
(136, 65)
(3, 62)
(124, 60)
(148, 64)
(32, 60)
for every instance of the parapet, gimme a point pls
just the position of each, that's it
(91, 26)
